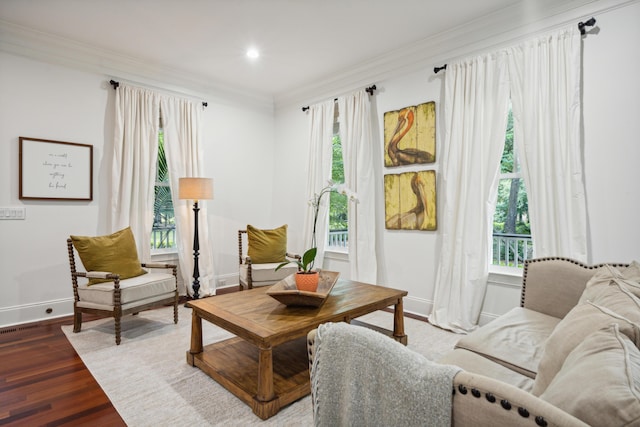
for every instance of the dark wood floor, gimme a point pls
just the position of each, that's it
(43, 382)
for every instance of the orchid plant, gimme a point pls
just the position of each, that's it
(331, 187)
(309, 257)
(305, 264)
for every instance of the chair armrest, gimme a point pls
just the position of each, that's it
(484, 401)
(158, 265)
(96, 275)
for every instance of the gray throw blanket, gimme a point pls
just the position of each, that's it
(360, 377)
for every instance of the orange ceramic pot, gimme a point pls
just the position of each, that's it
(307, 281)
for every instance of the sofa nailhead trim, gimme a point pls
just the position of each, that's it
(523, 412)
(505, 404)
(475, 392)
(541, 421)
(462, 389)
(557, 258)
(491, 398)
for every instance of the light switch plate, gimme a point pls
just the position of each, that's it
(13, 213)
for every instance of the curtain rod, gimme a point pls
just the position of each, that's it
(369, 90)
(581, 26)
(116, 84)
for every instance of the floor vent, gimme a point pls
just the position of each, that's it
(17, 329)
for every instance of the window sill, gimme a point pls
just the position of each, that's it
(340, 254)
(164, 253)
(510, 276)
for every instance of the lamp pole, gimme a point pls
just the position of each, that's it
(195, 189)
(196, 252)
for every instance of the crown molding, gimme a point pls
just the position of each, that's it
(500, 29)
(34, 44)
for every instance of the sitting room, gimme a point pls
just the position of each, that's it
(458, 174)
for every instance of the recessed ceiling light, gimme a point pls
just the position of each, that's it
(253, 53)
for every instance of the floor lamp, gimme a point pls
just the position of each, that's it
(195, 189)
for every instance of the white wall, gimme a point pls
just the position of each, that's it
(611, 153)
(259, 164)
(41, 100)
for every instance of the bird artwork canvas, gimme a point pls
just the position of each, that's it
(410, 201)
(410, 135)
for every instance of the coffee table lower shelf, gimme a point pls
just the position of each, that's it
(233, 363)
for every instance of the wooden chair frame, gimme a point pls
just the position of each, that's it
(247, 261)
(117, 311)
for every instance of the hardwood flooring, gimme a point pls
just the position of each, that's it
(43, 382)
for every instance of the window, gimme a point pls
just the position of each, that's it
(338, 203)
(512, 242)
(163, 232)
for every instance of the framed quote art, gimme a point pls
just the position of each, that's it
(55, 170)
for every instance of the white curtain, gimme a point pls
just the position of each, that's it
(545, 75)
(357, 146)
(182, 135)
(320, 159)
(475, 115)
(135, 152)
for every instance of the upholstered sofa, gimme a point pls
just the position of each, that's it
(568, 356)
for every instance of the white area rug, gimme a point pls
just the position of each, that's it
(149, 382)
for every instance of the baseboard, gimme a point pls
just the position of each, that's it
(423, 307)
(227, 280)
(36, 312)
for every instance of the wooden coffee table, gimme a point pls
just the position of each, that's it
(266, 364)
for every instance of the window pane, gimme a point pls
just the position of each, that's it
(509, 162)
(163, 232)
(512, 208)
(162, 171)
(164, 222)
(511, 231)
(338, 203)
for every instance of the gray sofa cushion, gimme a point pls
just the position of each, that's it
(605, 275)
(476, 363)
(515, 339)
(610, 392)
(582, 320)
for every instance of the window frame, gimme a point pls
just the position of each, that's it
(498, 268)
(337, 249)
(165, 184)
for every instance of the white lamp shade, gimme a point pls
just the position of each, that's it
(195, 188)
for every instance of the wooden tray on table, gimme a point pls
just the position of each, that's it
(286, 292)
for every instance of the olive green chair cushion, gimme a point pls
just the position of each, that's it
(267, 246)
(114, 253)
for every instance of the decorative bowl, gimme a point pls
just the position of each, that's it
(288, 294)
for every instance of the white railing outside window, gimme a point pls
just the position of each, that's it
(511, 250)
(338, 239)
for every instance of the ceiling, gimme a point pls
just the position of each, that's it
(301, 42)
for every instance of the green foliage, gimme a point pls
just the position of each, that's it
(338, 202)
(306, 264)
(163, 213)
(507, 162)
(512, 206)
